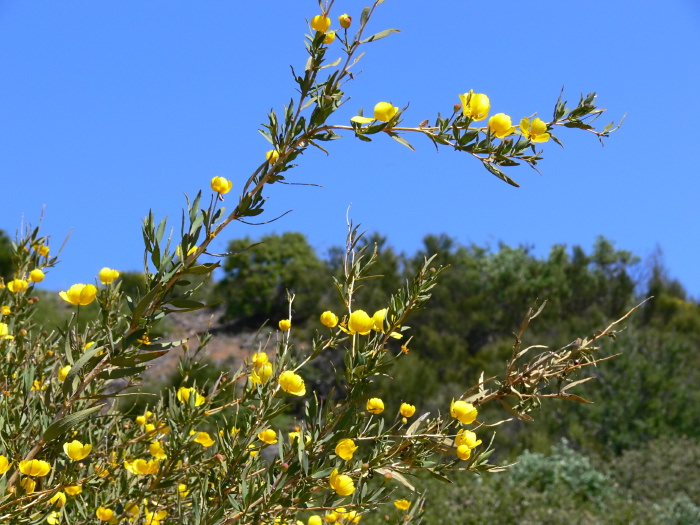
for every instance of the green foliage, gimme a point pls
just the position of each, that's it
(259, 275)
(7, 268)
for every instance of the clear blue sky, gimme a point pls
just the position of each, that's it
(110, 108)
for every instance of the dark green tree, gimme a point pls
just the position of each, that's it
(7, 267)
(258, 276)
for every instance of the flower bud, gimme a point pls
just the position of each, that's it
(388, 476)
(345, 20)
(457, 107)
(365, 467)
(285, 466)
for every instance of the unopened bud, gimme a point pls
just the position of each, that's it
(388, 476)
(404, 420)
(316, 489)
(285, 466)
(219, 457)
(22, 332)
(365, 467)
(35, 299)
(457, 107)
(345, 20)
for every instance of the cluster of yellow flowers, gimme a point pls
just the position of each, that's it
(322, 24)
(465, 440)
(476, 106)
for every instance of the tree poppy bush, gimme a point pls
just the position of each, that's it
(215, 453)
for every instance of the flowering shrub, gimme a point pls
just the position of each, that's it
(216, 453)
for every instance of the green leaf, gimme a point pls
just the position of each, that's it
(137, 358)
(117, 373)
(381, 34)
(401, 140)
(75, 369)
(498, 173)
(62, 425)
(364, 16)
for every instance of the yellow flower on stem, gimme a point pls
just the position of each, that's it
(154, 518)
(350, 516)
(34, 467)
(28, 484)
(407, 410)
(261, 374)
(58, 499)
(464, 452)
(76, 450)
(5, 310)
(203, 438)
(384, 111)
(315, 520)
(221, 185)
(360, 323)
(142, 420)
(330, 36)
(182, 490)
(105, 514)
(4, 465)
(141, 466)
(320, 23)
(259, 358)
(63, 373)
(178, 250)
(402, 504)
(36, 275)
(331, 516)
(108, 275)
(17, 285)
(184, 393)
(54, 518)
(285, 325)
(345, 448)
(500, 125)
(268, 436)
(5, 331)
(342, 484)
(476, 106)
(272, 156)
(535, 131)
(79, 294)
(73, 490)
(375, 405)
(345, 20)
(156, 450)
(329, 319)
(465, 412)
(292, 383)
(468, 438)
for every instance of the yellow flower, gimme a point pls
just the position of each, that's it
(476, 106)
(154, 518)
(131, 510)
(268, 436)
(73, 490)
(54, 518)
(34, 467)
(156, 450)
(535, 131)
(402, 504)
(259, 359)
(285, 324)
(375, 405)
(360, 323)
(76, 450)
(329, 319)
(107, 275)
(465, 412)
(36, 385)
(203, 438)
(345, 448)
(320, 23)
(28, 484)
(182, 490)
(141, 466)
(5, 331)
(378, 319)
(330, 36)
(350, 516)
(221, 185)
(500, 125)
(58, 499)
(79, 294)
(407, 410)
(17, 285)
(4, 465)
(345, 20)
(63, 373)
(331, 516)
(292, 383)
(261, 374)
(341, 483)
(178, 250)
(315, 520)
(36, 275)
(272, 156)
(384, 111)
(184, 393)
(252, 450)
(141, 420)
(104, 514)
(463, 452)
(468, 438)
(41, 249)
(5, 310)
